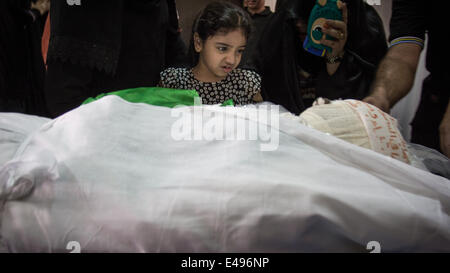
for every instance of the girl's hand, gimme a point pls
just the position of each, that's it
(338, 30)
(258, 98)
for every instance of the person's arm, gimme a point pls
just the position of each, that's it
(444, 132)
(396, 72)
(169, 78)
(395, 75)
(253, 85)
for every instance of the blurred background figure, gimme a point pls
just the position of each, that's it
(108, 45)
(21, 64)
(260, 15)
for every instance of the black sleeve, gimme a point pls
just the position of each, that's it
(408, 19)
(375, 47)
(176, 51)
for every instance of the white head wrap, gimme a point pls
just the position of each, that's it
(359, 123)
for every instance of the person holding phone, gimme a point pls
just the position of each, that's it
(294, 78)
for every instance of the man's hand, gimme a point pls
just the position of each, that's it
(444, 133)
(395, 76)
(379, 99)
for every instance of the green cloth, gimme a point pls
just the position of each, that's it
(229, 102)
(156, 96)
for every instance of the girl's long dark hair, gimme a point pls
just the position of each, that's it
(218, 16)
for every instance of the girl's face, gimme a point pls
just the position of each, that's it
(219, 55)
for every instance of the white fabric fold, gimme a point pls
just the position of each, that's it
(110, 176)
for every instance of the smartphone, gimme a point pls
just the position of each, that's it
(322, 10)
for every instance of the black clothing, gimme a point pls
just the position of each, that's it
(259, 22)
(109, 45)
(88, 34)
(428, 117)
(282, 56)
(21, 64)
(413, 18)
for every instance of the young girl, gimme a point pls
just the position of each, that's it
(219, 37)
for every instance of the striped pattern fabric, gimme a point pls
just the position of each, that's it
(407, 39)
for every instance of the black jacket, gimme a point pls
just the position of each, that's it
(98, 33)
(108, 45)
(21, 63)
